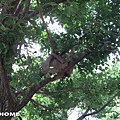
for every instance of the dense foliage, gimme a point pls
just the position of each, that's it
(91, 29)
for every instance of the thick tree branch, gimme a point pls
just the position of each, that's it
(34, 89)
(5, 80)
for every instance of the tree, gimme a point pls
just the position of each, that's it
(92, 32)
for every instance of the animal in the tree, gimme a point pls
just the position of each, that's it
(57, 64)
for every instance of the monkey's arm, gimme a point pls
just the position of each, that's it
(59, 58)
(46, 63)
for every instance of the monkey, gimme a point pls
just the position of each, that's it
(71, 60)
(46, 65)
(54, 64)
(57, 64)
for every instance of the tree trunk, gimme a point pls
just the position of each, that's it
(3, 102)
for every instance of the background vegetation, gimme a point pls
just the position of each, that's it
(91, 29)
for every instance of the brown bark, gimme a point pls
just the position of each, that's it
(3, 101)
(5, 85)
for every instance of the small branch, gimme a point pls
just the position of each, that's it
(80, 59)
(13, 5)
(60, 1)
(48, 35)
(20, 118)
(106, 104)
(76, 62)
(20, 92)
(19, 8)
(26, 9)
(38, 104)
(83, 115)
(100, 109)
(59, 91)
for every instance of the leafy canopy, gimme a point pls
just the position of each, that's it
(91, 30)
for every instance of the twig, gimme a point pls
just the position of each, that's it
(59, 91)
(38, 104)
(108, 102)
